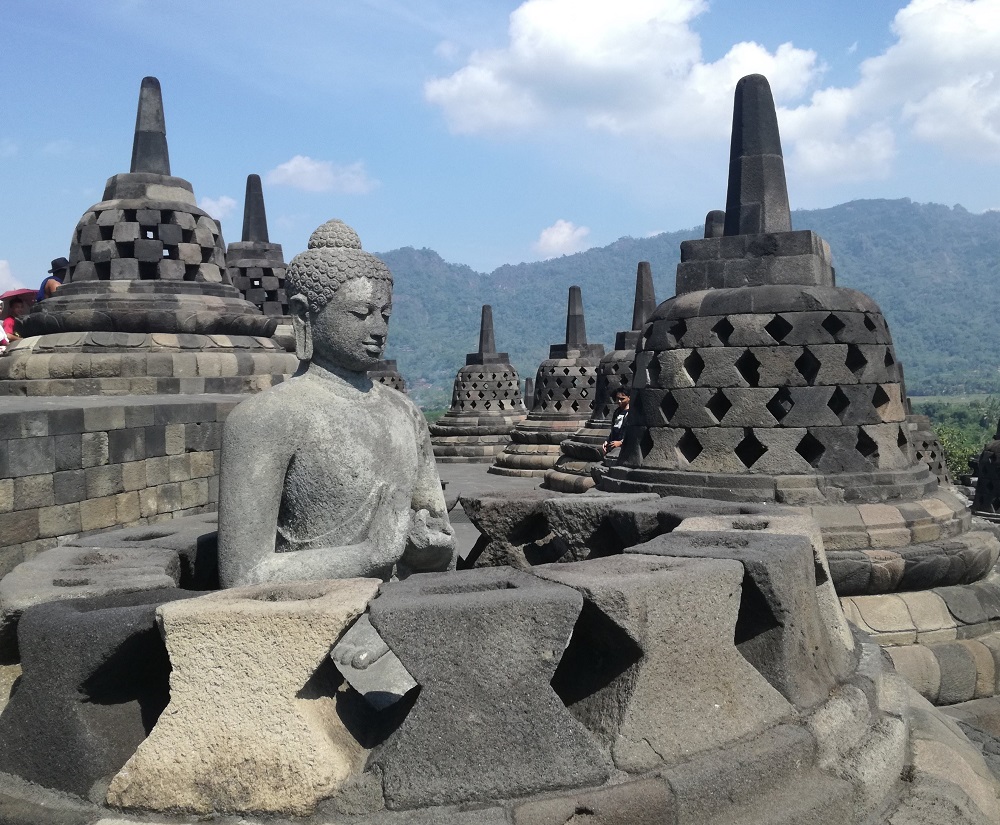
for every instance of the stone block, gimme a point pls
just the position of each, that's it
(580, 524)
(178, 467)
(174, 439)
(962, 603)
(33, 491)
(133, 476)
(126, 445)
(6, 495)
(127, 508)
(98, 513)
(18, 528)
(103, 418)
(103, 481)
(251, 687)
(454, 745)
(31, 456)
(928, 611)
(646, 801)
(60, 520)
(99, 667)
(124, 269)
(958, 673)
(628, 641)
(68, 452)
(513, 527)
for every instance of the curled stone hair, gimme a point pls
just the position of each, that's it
(334, 256)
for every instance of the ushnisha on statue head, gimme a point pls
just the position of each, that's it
(349, 333)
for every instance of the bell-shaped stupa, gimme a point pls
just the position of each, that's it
(485, 406)
(255, 265)
(583, 451)
(564, 391)
(388, 373)
(148, 305)
(763, 381)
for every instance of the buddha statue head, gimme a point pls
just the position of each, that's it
(340, 299)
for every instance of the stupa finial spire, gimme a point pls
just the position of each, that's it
(487, 342)
(576, 326)
(757, 200)
(645, 297)
(149, 147)
(254, 216)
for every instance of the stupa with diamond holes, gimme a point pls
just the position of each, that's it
(564, 391)
(582, 452)
(148, 306)
(255, 265)
(388, 374)
(485, 406)
(761, 380)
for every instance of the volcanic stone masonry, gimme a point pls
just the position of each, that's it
(583, 452)
(565, 386)
(148, 301)
(485, 404)
(255, 265)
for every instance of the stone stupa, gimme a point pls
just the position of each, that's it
(148, 306)
(387, 373)
(762, 381)
(485, 406)
(563, 399)
(255, 265)
(583, 452)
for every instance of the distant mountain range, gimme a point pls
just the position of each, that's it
(935, 271)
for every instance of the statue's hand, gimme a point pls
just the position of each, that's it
(430, 543)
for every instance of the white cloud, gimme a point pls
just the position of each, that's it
(562, 238)
(636, 69)
(7, 279)
(221, 207)
(302, 172)
(620, 67)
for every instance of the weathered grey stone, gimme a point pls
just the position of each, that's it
(368, 665)
(643, 802)
(298, 500)
(483, 645)
(75, 573)
(581, 526)
(248, 691)
(99, 668)
(631, 640)
(513, 527)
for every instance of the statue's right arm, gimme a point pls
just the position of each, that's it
(256, 451)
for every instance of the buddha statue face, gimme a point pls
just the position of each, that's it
(340, 298)
(350, 331)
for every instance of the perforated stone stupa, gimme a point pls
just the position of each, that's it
(255, 265)
(387, 373)
(485, 406)
(148, 305)
(761, 380)
(582, 452)
(564, 391)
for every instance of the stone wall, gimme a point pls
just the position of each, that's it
(70, 466)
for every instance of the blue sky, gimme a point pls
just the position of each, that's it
(493, 132)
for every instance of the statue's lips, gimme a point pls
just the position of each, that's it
(373, 349)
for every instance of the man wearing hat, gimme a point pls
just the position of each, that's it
(52, 282)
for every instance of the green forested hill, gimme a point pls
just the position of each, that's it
(932, 268)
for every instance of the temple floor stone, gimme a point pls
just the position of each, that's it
(253, 723)
(483, 645)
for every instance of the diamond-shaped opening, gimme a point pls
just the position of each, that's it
(645, 444)
(749, 367)
(689, 447)
(866, 445)
(757, 631)
(749, 450)
(889, 360)
(839, 402)
(558, 405)
(811, 449)
(880, 400)
(599, 654)
(856, 360)
(677, 331)
(870, 324)
(723, 329)
(833, 324)
(781, 404)
(718, 405)
(778, 328)
(668, 406)
(575, 406)
(808, 366)
(653, 371)
(694, 365)
(565, 370)
(902, 441)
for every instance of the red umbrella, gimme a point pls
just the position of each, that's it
(27, 294)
